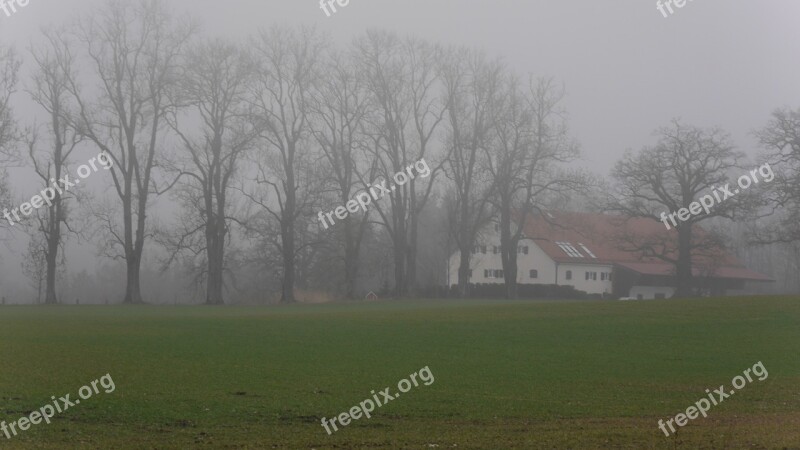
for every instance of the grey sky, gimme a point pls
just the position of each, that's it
(627, 69)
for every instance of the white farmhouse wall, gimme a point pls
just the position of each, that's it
(479, 263)
(535, 259)
(598, 286)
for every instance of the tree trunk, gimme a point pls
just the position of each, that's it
(508, 251)
(52, 255)
(287, 238)
(411, 254)
(684, 266)
(351, 251)
(133, 294)
(399, 265)
(215, 255)
(463, 272)
(287, 294)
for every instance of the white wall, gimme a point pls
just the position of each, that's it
(535, 259)
(591, 286)
(479, 262)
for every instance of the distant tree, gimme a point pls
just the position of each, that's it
(339, 110)
(214, 87)
(531, 142)
(49, 89)
(134, 50)
(288, 178)
(472, 87)
(9, 134)
(34, 265)
(781, 140)
(686, 163)
(406, 111)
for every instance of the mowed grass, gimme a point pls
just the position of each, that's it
(507, 374)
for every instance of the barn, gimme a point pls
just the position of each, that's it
(610, 255)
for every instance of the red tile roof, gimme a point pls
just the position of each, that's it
(607, 237)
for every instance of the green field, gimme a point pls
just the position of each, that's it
(507, 374)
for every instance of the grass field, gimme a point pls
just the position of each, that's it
(507, 374)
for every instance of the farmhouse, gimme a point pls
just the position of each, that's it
(603, 254)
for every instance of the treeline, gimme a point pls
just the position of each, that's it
(252, 140)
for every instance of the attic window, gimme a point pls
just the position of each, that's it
(589, 252)
(570, 250)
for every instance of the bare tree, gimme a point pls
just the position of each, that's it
(472, 88)
(9, 69)
(134, 49)
(215, 85)
(406, 111)
(531, 141)
(34, 265)
(339, 111)
(686, 163)
(781, 141)
(50, 90)
(288, 181)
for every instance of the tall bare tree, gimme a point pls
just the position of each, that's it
(55, 66)
(686, 163)
(531, 142)
(34, 265)
(406, 111)
(289, 69)
(473, 86)
(134, 51)
(9, 70)
(780, 139)
(214, 86)
(340, 107)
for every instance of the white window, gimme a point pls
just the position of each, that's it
(534, 273)
(487, 273)
(569, 274)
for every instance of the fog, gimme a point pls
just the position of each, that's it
(625, 69)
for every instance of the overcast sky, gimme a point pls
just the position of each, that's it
(626, 68)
